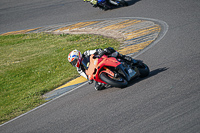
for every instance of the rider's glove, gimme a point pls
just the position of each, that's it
(109, 50)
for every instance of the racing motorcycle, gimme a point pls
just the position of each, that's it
(106, 4)
(113, 71)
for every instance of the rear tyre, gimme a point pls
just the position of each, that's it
(116, 82)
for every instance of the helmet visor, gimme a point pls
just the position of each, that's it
(74, 62)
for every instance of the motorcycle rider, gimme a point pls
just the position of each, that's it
(104, 4)
(75, 58)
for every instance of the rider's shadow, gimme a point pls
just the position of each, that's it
(130, 2)
(151, 74)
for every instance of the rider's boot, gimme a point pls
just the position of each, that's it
(99, 86)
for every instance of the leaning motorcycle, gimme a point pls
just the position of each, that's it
(102, 4)
(113, 71)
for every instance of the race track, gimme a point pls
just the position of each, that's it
(166, 101)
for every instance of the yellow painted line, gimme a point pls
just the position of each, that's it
(135, 48)
(19, 32)
(78, 80)
(142, 32)
(77, 25)
(122, 25)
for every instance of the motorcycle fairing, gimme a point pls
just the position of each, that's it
(99, 64)
(127, 72)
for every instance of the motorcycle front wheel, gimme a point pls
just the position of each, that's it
(144, 70)
(119, 82)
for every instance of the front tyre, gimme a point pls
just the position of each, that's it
(144, 70)
(119, 82)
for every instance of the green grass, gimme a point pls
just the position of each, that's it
(33, 64)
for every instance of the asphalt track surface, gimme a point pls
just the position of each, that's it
(166, 101)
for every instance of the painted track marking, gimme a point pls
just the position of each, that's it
(137, 33)
(103, 23)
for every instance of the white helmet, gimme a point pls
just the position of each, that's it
(74, 58)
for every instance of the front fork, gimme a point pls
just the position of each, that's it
(127, 72)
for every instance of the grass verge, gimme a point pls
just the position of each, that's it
(33, 64)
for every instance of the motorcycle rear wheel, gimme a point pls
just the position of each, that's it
(116, 82)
